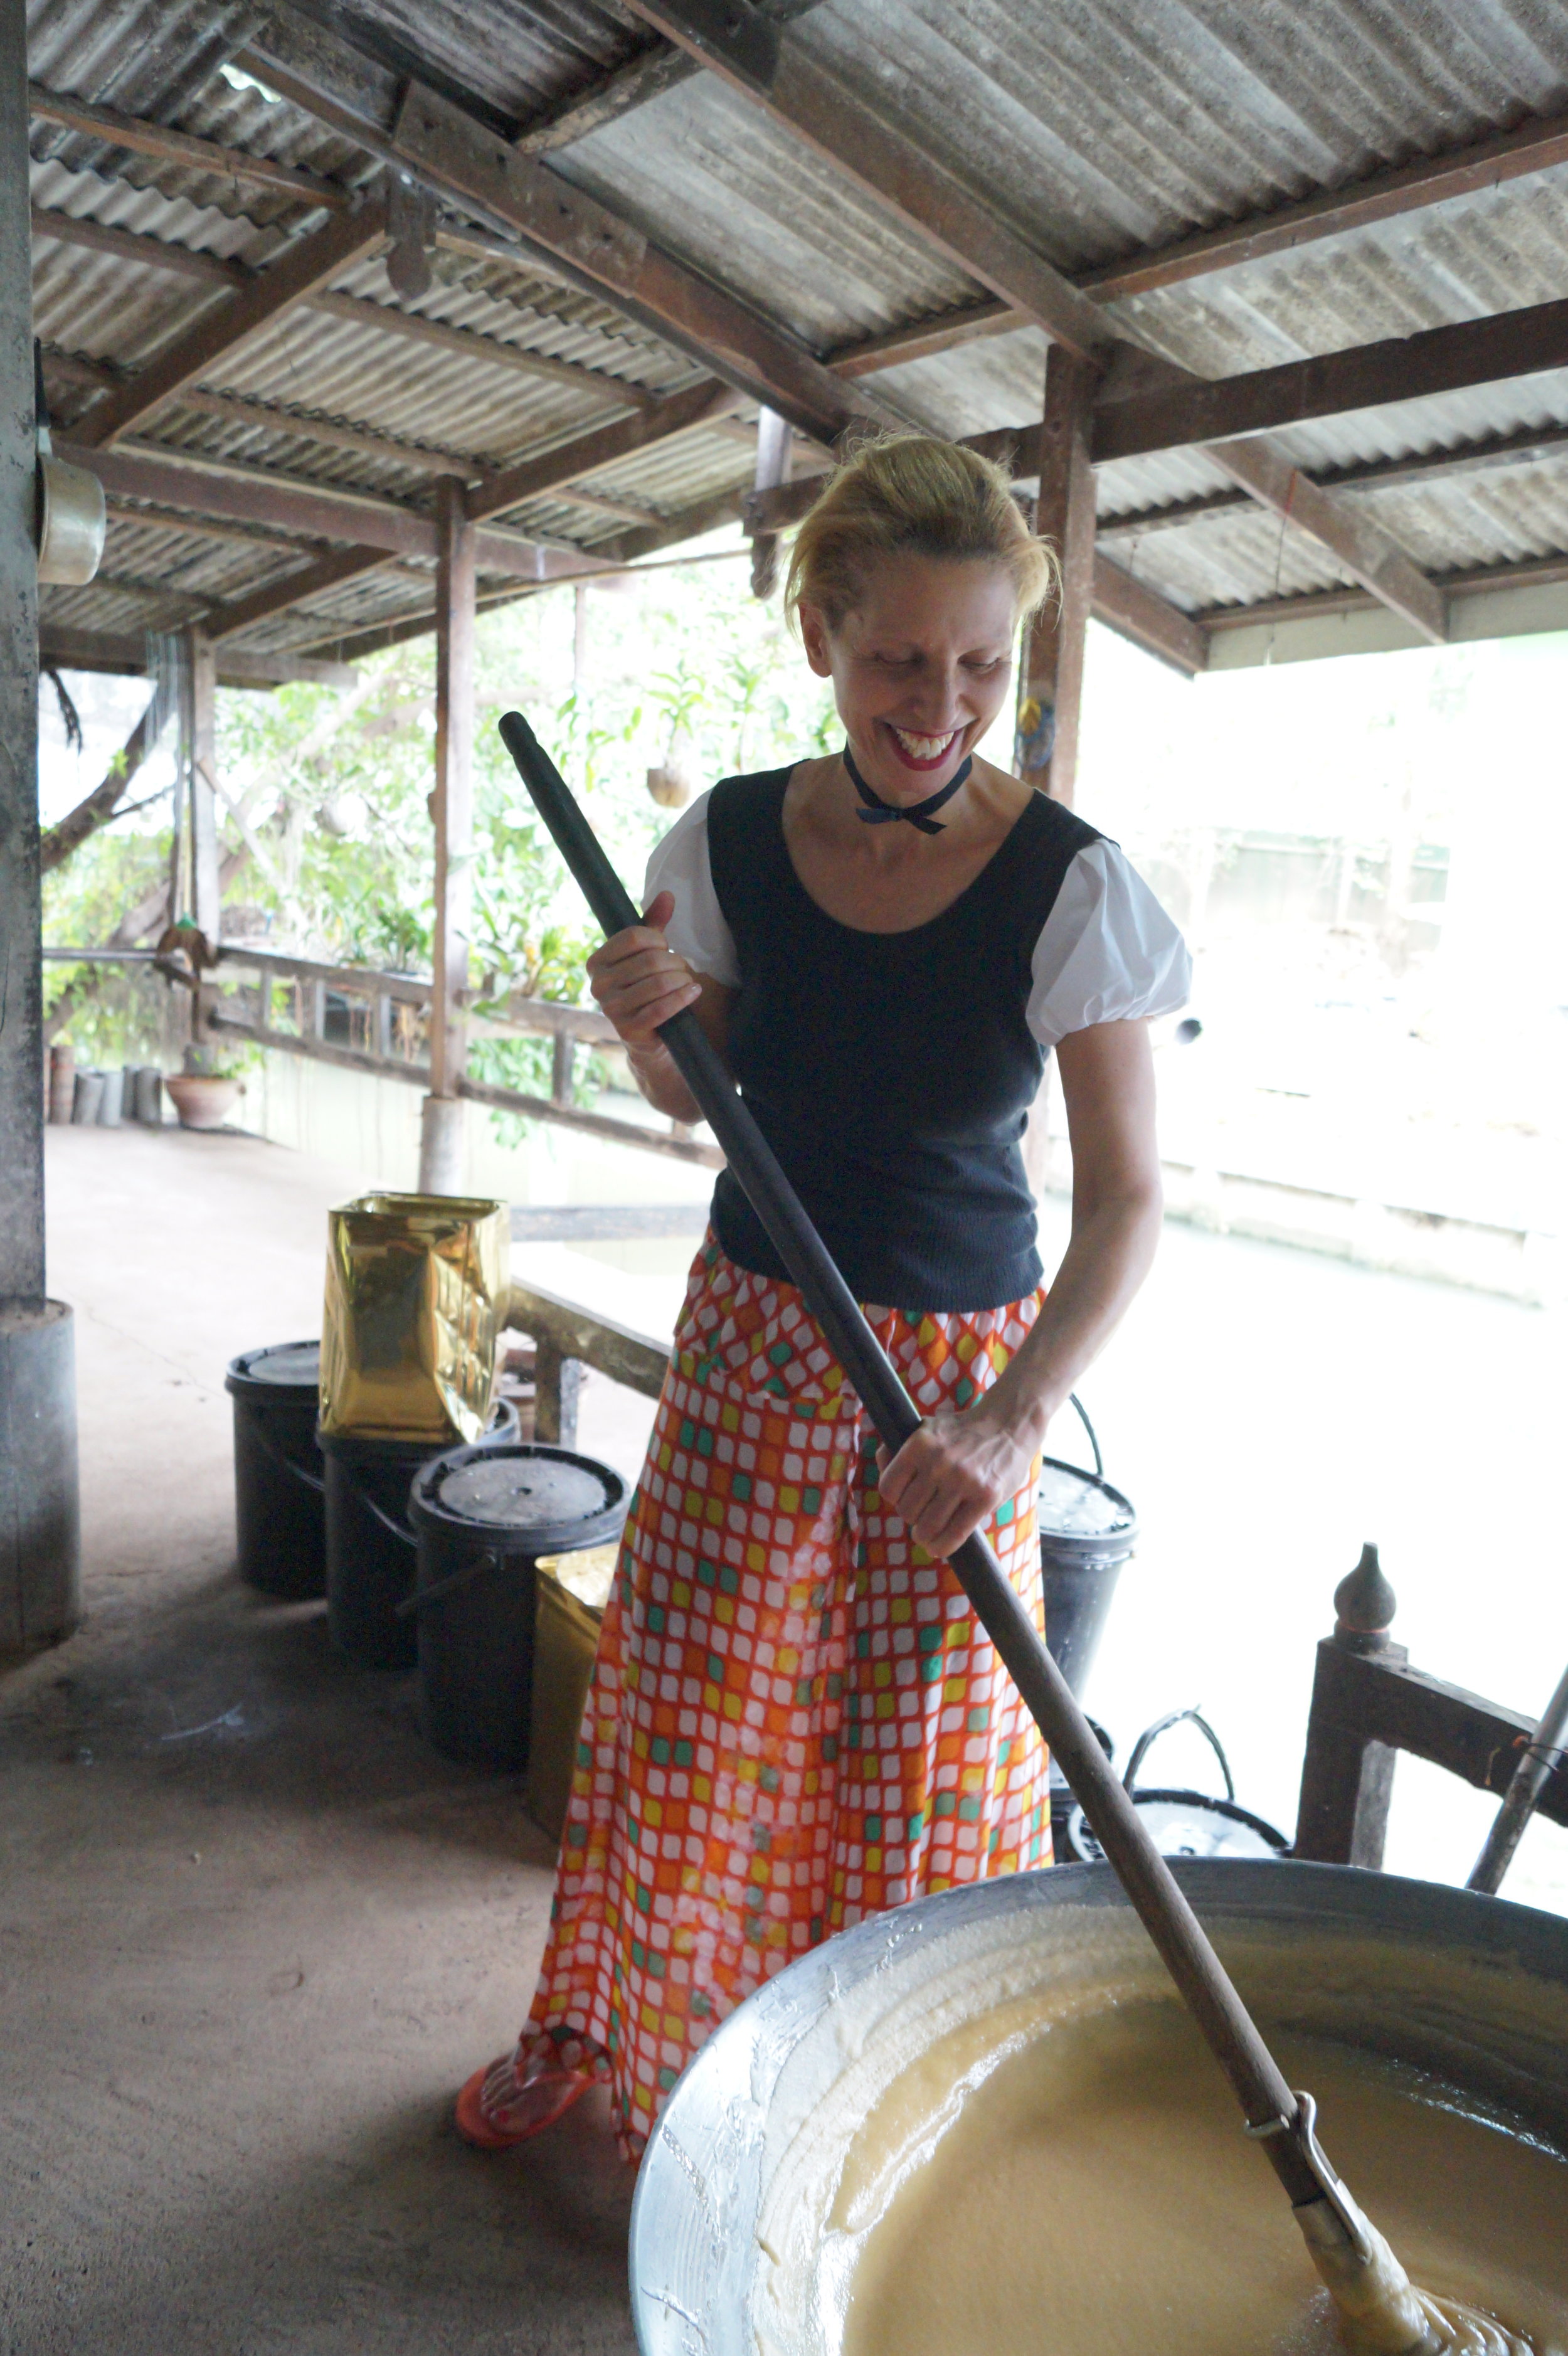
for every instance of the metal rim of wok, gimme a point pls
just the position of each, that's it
(679, 2237)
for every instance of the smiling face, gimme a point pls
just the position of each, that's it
(920, 667)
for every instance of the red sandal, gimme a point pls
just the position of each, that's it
(558, 2091)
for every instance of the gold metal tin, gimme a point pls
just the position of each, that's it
(416, 1300)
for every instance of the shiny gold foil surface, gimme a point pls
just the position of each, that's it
(416, 1299)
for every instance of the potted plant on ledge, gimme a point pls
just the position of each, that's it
(206, 1092)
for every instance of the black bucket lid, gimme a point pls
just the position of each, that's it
(274, 1373)
(1187, 1824)
(535, 1499)
(1082, 1518)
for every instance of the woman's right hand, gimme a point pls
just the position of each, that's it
(637, 978)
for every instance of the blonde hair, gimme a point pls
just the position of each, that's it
(911, 495)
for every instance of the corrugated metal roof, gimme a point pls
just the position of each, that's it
(720, 186)
(163, 63)
(1498, 250)
(518, 61)
(1104, 127)
(1100, 127)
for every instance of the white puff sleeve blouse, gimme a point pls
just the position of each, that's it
(1106, 953)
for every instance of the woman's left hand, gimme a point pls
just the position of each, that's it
(950, 1475)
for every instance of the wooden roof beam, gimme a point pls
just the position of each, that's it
(1368, 554)
(1400, 367)
(452, 151)
(614, 94)
(1488, 453)
(299, 271)
(920, 340)
(180, 261)
(557, 228)
(682, 412)
(146, 252)
(490, 351)
(177, 479)
(585, 245)
(760, 61)
(236, 409)
(616, 557)
(138, 138)
(1537, 145)
(227, 621)
(1534, 145)
(1524, 572)
(765, 67)
(1136, 612)
(100, 650)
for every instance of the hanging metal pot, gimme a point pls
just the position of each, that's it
(71, 522)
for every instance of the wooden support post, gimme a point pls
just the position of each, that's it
(441, 1161)
(205, 889)
(1347, 1778)
(775, 441)
(1051, 682)
(557, 1383)
(560, 1062)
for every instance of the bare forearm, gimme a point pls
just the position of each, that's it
(1111, 1252)
(654, 1070)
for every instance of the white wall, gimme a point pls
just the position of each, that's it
(371, 1127)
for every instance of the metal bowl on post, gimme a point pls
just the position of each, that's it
(71, 522)
(732, 2240)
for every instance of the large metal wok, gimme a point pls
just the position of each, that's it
(1470, 1988)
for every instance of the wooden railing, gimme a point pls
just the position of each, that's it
(566, 1338)
(387, 1025)
(1367, 1705)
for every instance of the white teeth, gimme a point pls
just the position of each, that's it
(922, 748)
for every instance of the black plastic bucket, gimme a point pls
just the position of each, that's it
(1087, 1531)
(484, 1516)
(279, 1516)
(369, 1544)
(1182, 1823)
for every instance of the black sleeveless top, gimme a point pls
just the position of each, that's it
(891, 1072)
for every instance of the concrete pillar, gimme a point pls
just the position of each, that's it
(39, 1547)
(1050, 677)
(452, 809)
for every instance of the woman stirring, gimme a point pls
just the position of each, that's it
(795, 1720)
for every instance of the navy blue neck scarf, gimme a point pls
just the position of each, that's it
(877, 812)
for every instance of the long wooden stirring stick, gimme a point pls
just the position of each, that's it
(1370, 2285)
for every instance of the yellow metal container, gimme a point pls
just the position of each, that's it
(568, 1612)
(417, 1290)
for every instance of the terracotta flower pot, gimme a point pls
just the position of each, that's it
(201, 1101)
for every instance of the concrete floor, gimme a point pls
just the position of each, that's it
(252, 1932)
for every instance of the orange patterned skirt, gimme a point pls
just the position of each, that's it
(795, 1720)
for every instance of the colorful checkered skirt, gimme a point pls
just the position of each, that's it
(795, 1720)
